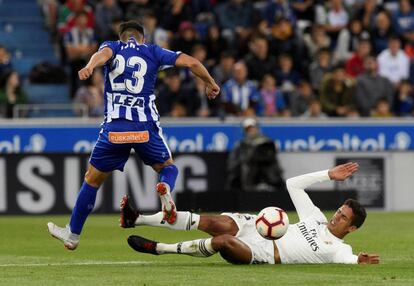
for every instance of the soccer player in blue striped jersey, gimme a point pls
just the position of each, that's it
(131, 121)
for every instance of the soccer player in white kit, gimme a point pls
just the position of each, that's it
(314, 239)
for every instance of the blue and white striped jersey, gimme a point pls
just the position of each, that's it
(130, 77)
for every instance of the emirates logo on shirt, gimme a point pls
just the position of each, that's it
(309, 236)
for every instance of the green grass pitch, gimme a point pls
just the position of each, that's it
(29, 256)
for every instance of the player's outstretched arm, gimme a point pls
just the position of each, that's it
(199, 70)
(365, 258)
(296, 186)
(98, 59)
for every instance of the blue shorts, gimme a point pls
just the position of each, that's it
(118, 137)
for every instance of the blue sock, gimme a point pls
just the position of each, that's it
(168, 175)
(83, 207)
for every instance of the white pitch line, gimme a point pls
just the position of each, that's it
(86, 263)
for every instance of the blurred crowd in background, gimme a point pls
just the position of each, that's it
(275, 58)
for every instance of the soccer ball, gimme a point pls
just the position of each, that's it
(272, 223)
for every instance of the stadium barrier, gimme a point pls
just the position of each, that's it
(50, 110)
(206, 135)
(48, 183)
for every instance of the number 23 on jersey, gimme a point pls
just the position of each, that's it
(135, 82)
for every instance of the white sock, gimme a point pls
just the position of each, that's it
(185, 221)
(197, 248)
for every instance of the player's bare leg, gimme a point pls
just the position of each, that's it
(212, 224)
(230, 248)
(85, 202)
(164, 188)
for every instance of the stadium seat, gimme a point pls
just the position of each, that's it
(20, 9)
(22, 33)
(47, 93)
(24, 66)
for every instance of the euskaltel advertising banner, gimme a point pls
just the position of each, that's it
(220, 137)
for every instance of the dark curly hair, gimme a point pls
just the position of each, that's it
(358, 210)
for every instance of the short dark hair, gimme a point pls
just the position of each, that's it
(359, 212)
(131, 25)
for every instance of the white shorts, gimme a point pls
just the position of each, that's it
(262, 249)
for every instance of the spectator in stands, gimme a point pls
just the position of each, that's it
(348, 40)
(154, 34)
(168, 92)
(199, 52)
(50, 9)
(252, 164)
(235, 19)
(277, 9)
(355, 65)
(92, 95)
(201, 6)
(316, 40)
(382, 109)
(68, 14)
(404, 105)
(239, 94)
(337, 18)
(207, 108)
(370, 87)
(390, 5)
(11, 93)
(258, 61)
(136, 9)
(215, 44)
(393, 62)
(173, 13)
(404, 21)
(176, 99)
(300, 100)
(314, 110)
(304, 9)
(105, 12)
(271, 102)
(114, 32)
(283, 39)
(287, 77)
(261, 28)
(80, 44)
(382, 31)
(337, 93)
(367, 14)
(5, 62)
(318, 68)
(187, 38)
(224, 70)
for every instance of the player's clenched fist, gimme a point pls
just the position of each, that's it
(85, 73)
(212, 91)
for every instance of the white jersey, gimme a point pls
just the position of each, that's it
(309, 240)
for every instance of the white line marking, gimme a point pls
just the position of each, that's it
(85, 263)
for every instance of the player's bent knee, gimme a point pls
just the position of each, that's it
(94, 177)
(159, 166)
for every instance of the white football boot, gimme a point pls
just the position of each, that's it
(70, 240)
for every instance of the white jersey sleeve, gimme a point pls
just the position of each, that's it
(296, 187)
(345, 256)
